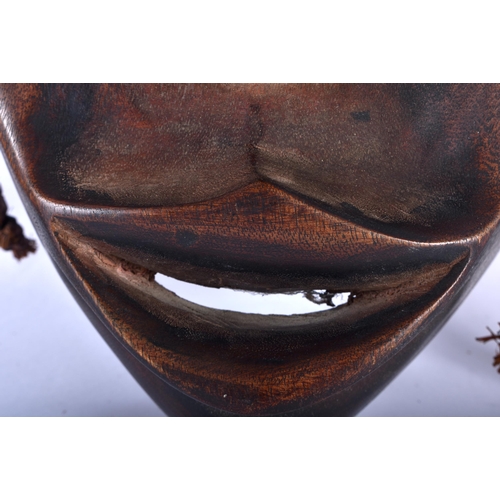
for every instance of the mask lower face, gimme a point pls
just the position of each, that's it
(386, 194)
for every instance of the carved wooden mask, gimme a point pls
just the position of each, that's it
(389, 192)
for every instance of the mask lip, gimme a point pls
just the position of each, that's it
(138, 282)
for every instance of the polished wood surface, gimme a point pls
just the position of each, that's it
(389, 192)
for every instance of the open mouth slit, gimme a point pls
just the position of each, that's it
(228, 299)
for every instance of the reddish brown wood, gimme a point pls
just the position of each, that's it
(387, 191)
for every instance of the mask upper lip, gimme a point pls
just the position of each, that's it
(244, 240)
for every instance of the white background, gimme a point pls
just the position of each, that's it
(53, 362)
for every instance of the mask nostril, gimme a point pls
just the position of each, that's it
(255, 303)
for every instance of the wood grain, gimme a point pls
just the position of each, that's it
(389, 192)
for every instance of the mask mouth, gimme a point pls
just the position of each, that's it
(264, 363)
(150, 288)
(207, 353)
